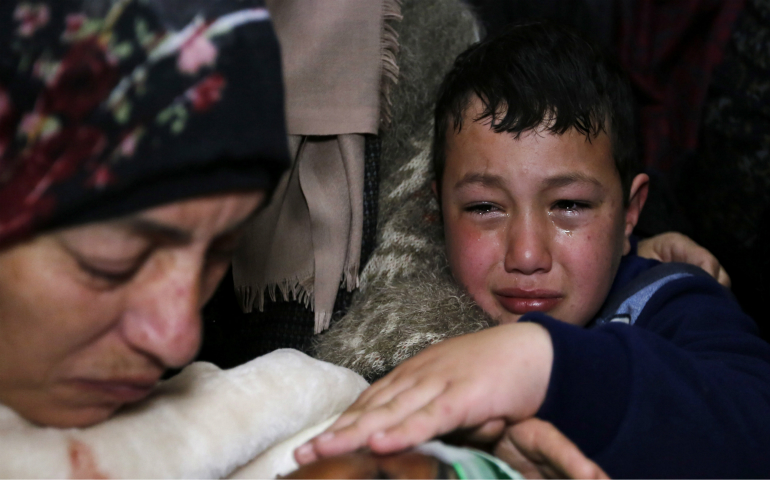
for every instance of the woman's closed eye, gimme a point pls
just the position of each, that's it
(105, 255)
(109, 273)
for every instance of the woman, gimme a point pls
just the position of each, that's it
(132, 152)
(136, 139)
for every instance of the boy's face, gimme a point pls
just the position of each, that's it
(535, 224)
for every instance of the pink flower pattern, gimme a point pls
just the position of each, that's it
(69, 131)
(74, 22)
(31, 18)
(127, 146)
(197, 52)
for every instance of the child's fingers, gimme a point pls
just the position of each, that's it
(305, 454)
(380, 394)
(372, 398)
(344, 421)
(372, 391)
(487, 433)
(370, 423)
(446, 412)
(424, 424)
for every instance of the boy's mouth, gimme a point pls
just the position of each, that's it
(519, 301)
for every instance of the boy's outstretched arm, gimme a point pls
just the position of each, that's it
(482, 380)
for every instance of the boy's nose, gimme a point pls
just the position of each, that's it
(163, 319)
(528, 249)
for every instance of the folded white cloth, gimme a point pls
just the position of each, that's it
(203, 423)
(279, 459)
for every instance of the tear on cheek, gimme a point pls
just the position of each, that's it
(564, 225)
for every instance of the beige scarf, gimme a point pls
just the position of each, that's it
(339, 65)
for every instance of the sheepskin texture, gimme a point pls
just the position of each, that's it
(409, 315)
(203, 423)
(406, 299)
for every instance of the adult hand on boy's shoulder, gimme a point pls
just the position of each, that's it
(497, 375)
(675, 247)
(537, 449)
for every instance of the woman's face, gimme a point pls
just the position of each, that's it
(91, 316)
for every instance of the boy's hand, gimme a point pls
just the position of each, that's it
(486, 378)
(537, 449)
(675, 247)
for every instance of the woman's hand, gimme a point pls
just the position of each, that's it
(675, 247)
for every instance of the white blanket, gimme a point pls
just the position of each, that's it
(203, 423)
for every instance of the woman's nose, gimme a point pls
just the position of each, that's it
(528, 246)
(163, 318)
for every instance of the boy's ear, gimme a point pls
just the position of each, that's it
(636, 198)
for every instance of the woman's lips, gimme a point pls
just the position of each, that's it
(521, 301)
(123, 391)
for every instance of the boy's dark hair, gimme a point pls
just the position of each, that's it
(541, 74)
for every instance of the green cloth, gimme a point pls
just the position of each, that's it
(469, 462)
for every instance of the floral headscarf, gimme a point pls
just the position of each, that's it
(112, 106)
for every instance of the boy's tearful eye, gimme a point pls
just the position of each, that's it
(571, 214)
(483, 208)
(571, 207)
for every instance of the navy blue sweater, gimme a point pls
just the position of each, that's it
(683, 392)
